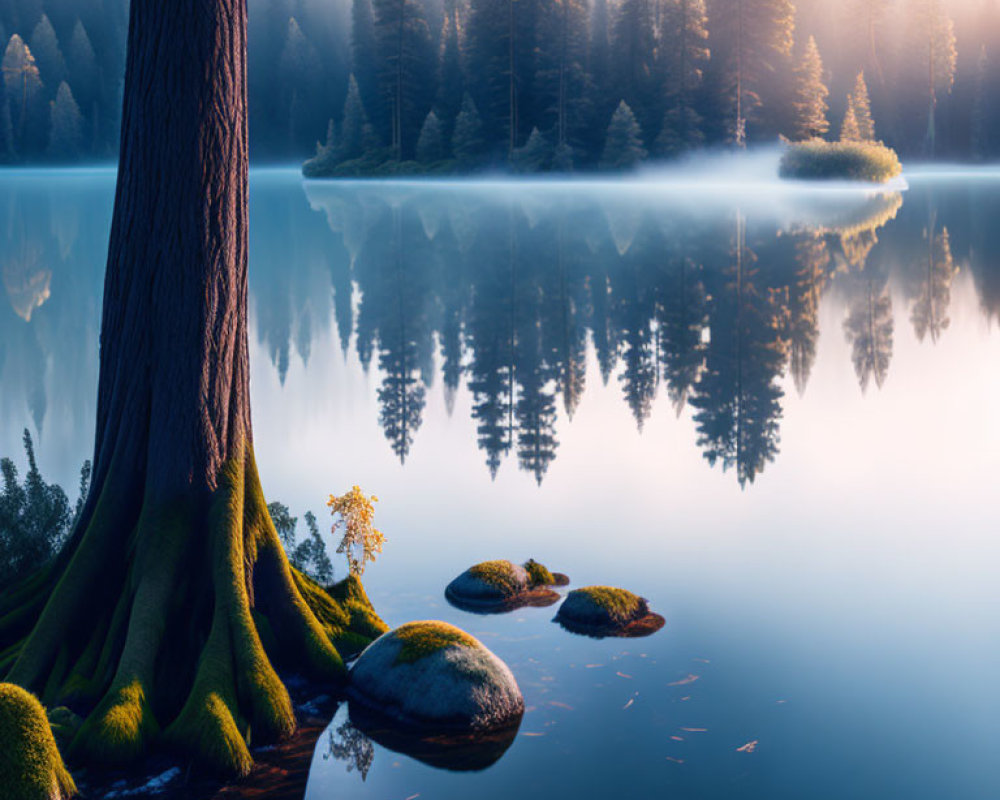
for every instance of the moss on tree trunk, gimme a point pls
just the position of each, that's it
(154, 620)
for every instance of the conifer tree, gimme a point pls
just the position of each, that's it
(599, 71)
(633, 43)
(45, 48)
(7, 152)
(862, 106)
(20, 73)
(623, 145)
(684, 51)
(750, 38)
(849, 130)
(468, 143)
(535, 155)
(406, 74)
(430, 144)
(979, 135)
(298, 69)
(82, 65)
(353, 123)
(934, 31)
(561, 79)
(66, 129)
(364, 58)
(451, 80)
(809, 104)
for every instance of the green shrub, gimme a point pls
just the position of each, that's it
(35, 517)
(855, 161)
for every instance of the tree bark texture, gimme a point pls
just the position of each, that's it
(165, 616)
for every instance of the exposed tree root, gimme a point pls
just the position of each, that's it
(166, 622)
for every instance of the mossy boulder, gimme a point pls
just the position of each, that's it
(30, 765)
(432, 676)
(607, 611)
(502, 585)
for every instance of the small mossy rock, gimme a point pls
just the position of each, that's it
(491, 582)
(433, 676)
(30, 765)
(607, 611)
(503, 586)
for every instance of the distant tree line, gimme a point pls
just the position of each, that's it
(535, 84)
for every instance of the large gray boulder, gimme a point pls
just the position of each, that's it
(433, 676)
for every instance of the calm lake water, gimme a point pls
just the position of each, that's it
(771, 410)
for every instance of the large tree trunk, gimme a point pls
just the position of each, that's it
(154, 621)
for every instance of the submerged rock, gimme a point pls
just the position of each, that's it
(432, 676)
(494, 586)
(30, 765)
(607, 611)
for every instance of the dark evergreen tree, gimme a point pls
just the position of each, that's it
(684, 53)
(561, 80)
(534, 156)
(353, 124)
(66, 129)
(633, 42)
(44, 46)
(600, 74)
(748, 40)
(451, 78)
(430, 144)
(406, 71)
(623, 144)
(364, 61)
(82, 65)
(298, 70)
(468, 142)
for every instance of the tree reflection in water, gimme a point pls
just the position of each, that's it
(509, 291)
(346, 743)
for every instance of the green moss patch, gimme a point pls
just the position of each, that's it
(851, 161)
(421, 639)
(620, 604)
(538, 574)
(30, 765)
(501, 574)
